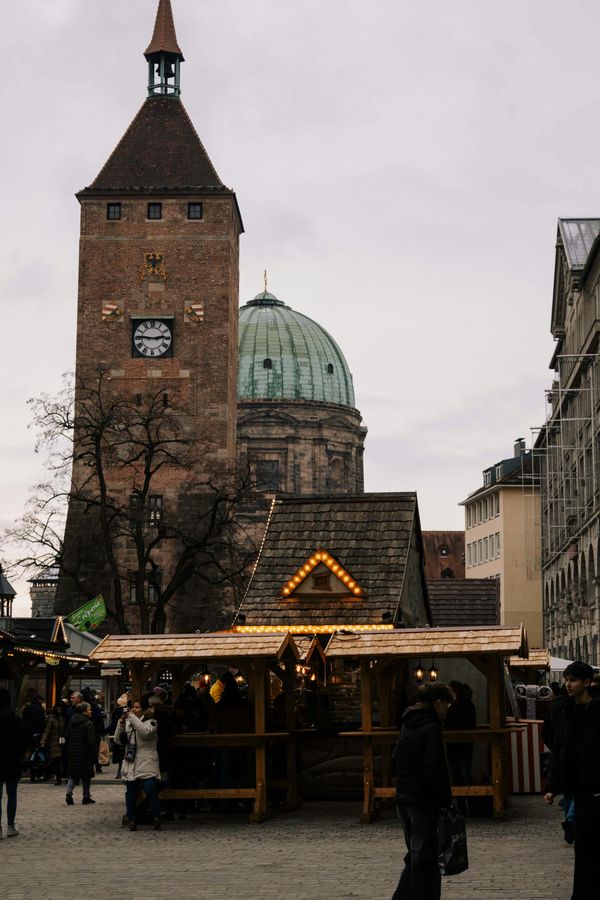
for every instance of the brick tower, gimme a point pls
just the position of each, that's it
(157, 328)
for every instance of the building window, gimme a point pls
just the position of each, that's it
(487, 478)
(267, 475)
(497, 504)
(154, 588)
(113, 211)
(155, 210)
(497, 545)
(444, 551)
(498, 472)
(330, 368)
(485, 550)
(480, 551)
(267, 363)
(132, 589)
(321, 582)
(155, 510)
(195, 211)
(447, 572)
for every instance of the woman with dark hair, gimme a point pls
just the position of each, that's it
(12, 747)
(81, 752)
(55, 739)
(137, 732)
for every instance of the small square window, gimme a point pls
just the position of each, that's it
(155, 210)
(155, 510)
(113, 211)
(195, 211)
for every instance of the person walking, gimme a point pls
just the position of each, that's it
(81, 752)
(575, 771)
(422, 789)
(461, 717)
(13, 742)
(55, 739)
(137, 732)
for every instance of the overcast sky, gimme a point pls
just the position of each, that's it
(400, 167)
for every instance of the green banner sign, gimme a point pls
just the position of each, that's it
(90, 615)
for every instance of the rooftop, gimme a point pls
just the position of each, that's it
(285, 355)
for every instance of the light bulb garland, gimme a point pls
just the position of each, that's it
(321, 556)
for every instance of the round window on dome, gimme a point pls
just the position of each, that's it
(267, 363)
(330, 368)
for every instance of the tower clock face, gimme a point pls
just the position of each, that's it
(152, 338)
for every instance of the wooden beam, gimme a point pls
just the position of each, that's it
(260, 813)
(369, 812)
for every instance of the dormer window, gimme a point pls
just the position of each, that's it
(321, 582)
(330, 369)
(267, 363)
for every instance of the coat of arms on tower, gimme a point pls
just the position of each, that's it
(154, 265)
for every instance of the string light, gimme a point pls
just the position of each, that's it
(309, 629)
(326, 558)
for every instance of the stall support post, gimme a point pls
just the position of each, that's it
(260, 812)
(369, 813)
(292, 801)
(384, 692)
(495, 696)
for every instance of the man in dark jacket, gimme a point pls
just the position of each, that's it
(575, 770)
(81, 752)
(422, 789)
(12, 748)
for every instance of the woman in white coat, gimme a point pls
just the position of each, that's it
(137, 732)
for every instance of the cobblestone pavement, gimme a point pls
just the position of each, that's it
(316, 853)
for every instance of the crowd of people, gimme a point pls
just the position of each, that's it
(68, 745)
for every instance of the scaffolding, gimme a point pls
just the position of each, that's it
(566, 450)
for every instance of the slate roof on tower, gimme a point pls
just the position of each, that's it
(159, 153)
(164, 39)
(376, 538)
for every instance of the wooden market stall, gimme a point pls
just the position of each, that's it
(257, 655)
(485, 647)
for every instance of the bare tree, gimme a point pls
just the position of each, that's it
(98, 514)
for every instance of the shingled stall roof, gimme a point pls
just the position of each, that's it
(176, 648)
(460, 603)
(430, 642)
(537, 659)
(160, 152)
(369, 535)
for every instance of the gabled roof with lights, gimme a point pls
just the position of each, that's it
(374, 539)
(322, 558)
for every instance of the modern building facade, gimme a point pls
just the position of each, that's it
(568, 449)
(503, 540)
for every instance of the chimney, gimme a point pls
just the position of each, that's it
(519, 447)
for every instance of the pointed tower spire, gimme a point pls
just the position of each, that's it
(164, 54)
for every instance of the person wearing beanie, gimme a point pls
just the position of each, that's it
(575, 771)
(422, 789)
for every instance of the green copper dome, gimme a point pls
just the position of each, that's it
(284, 355)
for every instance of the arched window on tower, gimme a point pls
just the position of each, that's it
(267, 363)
